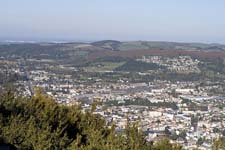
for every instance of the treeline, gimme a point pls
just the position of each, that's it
(38, 122)
(138, 66)
(38, 51)
(142, 102)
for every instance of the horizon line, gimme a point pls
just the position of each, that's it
(91, 41)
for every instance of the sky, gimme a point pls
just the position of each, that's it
(125, 20)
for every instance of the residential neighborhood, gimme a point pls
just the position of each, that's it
(186, 112)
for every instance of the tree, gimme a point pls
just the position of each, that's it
(166, 145)
(200, 141)
(219, 144)
(38, 122)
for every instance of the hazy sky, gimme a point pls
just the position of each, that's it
(158, 20)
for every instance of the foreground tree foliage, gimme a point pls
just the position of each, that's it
(219, 144)
(40, 123)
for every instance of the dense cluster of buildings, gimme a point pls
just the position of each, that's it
(179, 64)
(197, 119)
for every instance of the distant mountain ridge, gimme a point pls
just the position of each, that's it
(80, 52)
(144, 45)
(132, 45)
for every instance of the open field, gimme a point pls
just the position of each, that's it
(103, 66)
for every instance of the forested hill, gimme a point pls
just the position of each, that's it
(40, 123)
